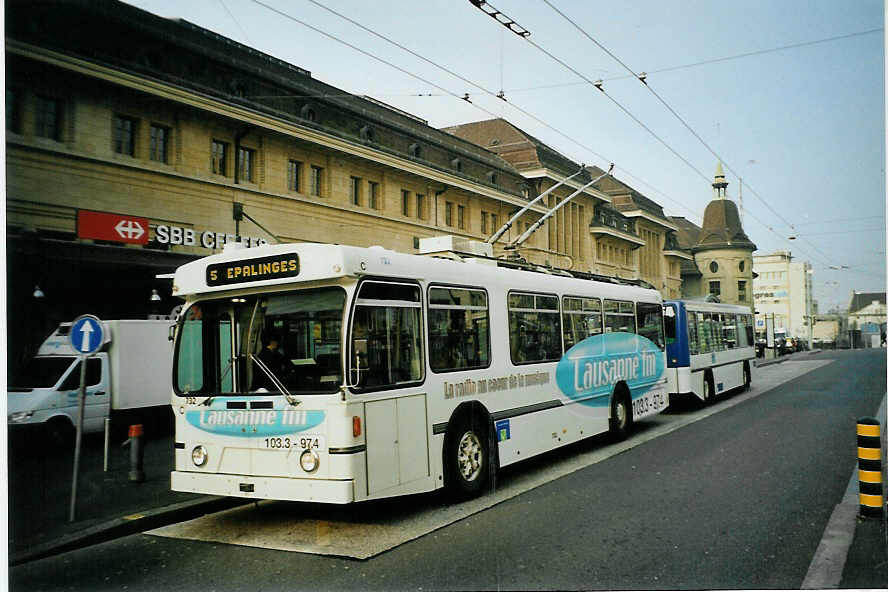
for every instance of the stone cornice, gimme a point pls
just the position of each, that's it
(679, 254)
(228, 110)
(617, 234)
(650, 218)
(544, 173)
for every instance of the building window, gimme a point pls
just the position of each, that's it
(317, 174)
(374, 194)
(355, 191)
(741, 290)
(493, 223)
(448, 213)
(457, 165)
(713, 267)
(13, 117)
(483, 222)
(294, 175)
(124, 135)
(715, 288)
(461, 217)
(420, 206)
(220, 157)
(405, 202)
(246, 163)
(160, 141)
(48, 118)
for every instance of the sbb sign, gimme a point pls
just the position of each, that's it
(188, 237)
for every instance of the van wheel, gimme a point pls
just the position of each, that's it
(621, 416)
(59, 433)
(468, 468)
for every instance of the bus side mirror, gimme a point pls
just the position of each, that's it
(172, 333)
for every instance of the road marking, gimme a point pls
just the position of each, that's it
(828, 563)
(364, 530)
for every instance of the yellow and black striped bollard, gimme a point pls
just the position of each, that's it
(869, 466)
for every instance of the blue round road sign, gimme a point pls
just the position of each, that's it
(87, 334)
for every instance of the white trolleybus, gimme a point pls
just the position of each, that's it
(337, 374)
(710, 348)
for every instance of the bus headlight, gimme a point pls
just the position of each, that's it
(199, 456)
(309, 461)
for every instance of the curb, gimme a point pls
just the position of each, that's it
(780, 359)
(127, 525)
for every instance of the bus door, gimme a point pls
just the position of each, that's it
(386, 366)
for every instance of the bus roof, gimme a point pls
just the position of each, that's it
(298, 263)
(703, 306)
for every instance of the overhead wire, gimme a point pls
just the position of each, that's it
(642, 78)
(709, 61)
(454, 74)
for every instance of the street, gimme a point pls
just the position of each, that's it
(736, 495)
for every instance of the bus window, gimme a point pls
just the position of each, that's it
(693, 333)
(729, 331)
(704, 327)
(386, 336)
(459, 329)
(204, 355)
(582, 319)
(534, 328)
(619, 316)
(650, 322)
(669, 323)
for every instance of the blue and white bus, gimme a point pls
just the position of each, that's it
(337, 374)
(709, 348)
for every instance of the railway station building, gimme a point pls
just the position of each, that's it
(136, 143)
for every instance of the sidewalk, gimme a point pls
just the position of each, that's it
(761, 362)
(109, 505)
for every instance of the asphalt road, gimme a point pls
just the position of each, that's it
(739, 499)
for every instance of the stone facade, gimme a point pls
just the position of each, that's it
(609, 229)
(114, 110)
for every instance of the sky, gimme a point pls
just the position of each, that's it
(788, 94)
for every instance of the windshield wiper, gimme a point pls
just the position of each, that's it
(275, 381)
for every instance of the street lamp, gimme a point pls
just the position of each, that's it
(38, 293)
(154, 303)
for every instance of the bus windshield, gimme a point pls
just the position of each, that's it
(286, 342)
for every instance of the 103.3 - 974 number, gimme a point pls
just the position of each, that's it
(285, 443)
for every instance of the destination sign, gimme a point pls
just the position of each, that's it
(253, 270)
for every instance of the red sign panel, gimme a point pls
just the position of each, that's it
(112, 227)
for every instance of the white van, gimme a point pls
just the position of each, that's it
(128, 380)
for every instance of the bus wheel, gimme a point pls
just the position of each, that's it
(747, 377)
(621, 415)
(467, 461)
(708, 389)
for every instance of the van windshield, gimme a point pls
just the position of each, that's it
(42, 372)
(287, 342)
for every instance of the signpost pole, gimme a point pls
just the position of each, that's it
(81, 396)
(86, 337)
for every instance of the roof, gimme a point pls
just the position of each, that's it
(722, 228)
(860, 300)
(522, 150)
(688, 233)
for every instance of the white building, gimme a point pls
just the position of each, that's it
(782, 288)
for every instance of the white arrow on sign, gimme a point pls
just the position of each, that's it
(129, 229)
(86, 329)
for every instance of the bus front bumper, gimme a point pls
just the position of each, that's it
(279, 488)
